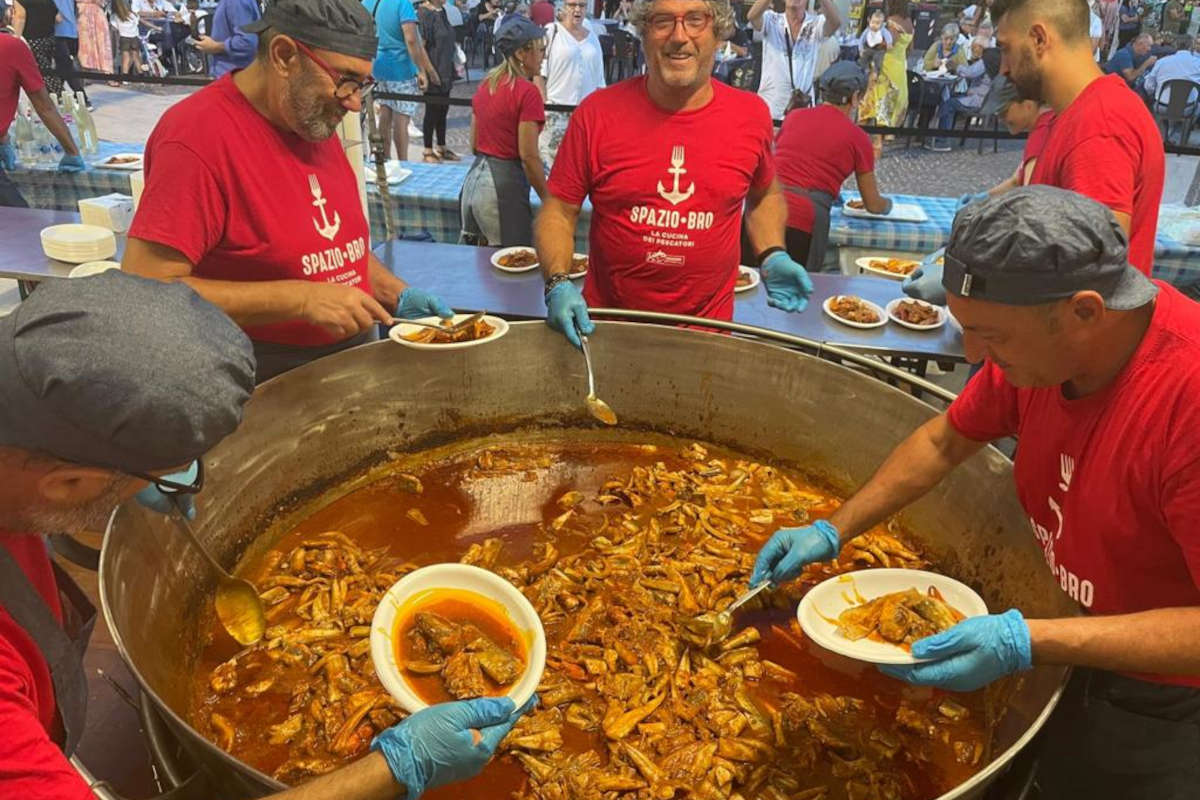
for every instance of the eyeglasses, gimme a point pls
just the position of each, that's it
(344, 86)
(168, 486)
(694, 22)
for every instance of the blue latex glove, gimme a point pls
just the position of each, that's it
(70, 163)
(565, 310)
(788, 285)
(784, 556)
(888, 205)
(153, 499)
(972, 654)
(8, 156)
(925, 282)
(437, 745)
(971, 198)
(416, 303)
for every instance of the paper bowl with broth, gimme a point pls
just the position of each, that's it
(453, 631)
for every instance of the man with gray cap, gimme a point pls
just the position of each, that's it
(107, 386)
(251, 201)
(1096, 369)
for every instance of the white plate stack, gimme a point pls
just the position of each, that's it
(76, 244)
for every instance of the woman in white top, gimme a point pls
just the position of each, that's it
(791, 48)
(573, 69)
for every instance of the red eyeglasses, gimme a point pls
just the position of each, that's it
(344, 86)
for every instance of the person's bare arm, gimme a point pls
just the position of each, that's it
(912, 469)
(554, 235)
(46, 110)
(366, 779)
(868, 187)
(385, 286)
(1124, 219)
(833, 20)
(531, 157)
(1008, 184)
(755, 14)
(416, 49)
(1164, 641)
(18, 18)
(766, 216)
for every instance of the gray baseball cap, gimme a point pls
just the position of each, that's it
(340, 26)
(516, 33)
(121, 372)
(842, 80)
(1040, 244)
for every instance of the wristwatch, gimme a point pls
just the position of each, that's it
(555, 280)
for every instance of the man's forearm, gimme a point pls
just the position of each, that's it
(833, 20)
(366, 779)
(385, 286)
(554, 236)
(754, 15)
(1165, 641)
(766, 218)
(53, 121)
(913, 468)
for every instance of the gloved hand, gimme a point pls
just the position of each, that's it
(153, 499)
(972, 654)
(783, 557)
(416, 303)
(788, 284)
(8, 156)
(925, 282)
(439, 745)
(566, 308)
(971, 198)
(70, 163)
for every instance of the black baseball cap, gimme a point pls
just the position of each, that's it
(340, 26)
(1041, 244)
(516, 33)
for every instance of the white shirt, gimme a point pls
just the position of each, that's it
(777, 84)
(453, 15)
(144, 7)
(1183, 65)
(1096, 31)
(573, 69)
(128, 28)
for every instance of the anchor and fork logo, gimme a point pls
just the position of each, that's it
(675, 197)
(325, 228)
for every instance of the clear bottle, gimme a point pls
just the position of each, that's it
(23, 136)
(88, 141)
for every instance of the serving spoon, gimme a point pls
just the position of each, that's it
(715, 626)
(595, 406)
(239, 608)
(458, 326)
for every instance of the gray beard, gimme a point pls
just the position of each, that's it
(93, 516)
(310, 115)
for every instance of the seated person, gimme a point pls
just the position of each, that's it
(1184, 64)
(1133, 61)
(978, 82)
(874, 43)
(945, 54)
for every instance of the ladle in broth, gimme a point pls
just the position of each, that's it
(595, 406)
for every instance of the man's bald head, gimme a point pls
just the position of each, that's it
(1070, 19)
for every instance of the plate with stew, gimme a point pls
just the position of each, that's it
(485, 329)
(515, 259)
(916, 314)
(854, 311)
(747, 279)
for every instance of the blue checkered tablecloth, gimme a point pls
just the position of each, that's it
(1174, 262)
(43, 186)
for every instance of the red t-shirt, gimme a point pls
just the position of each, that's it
(1106, 146)
(498, 114)
(18, 71)
(32, 767)
(1036, 142)
(246, 201)
(542, 12)
(667, 192)
(818, 148)
(1111, 481)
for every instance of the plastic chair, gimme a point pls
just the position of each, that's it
(1179, 107)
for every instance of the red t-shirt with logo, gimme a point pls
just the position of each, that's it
(1111, 481)
(667, 191)
(498, 113)
(32, 767)
(1106, 146)
(818, 148)
(18, 71)
(244, 200)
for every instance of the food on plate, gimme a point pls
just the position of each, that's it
(896, 266)
(857, 205)
(852, 308)
(916, 313)
(579, 263)
(113, 160)
(455, 645)
(518, 259)
(899, 618)
(744, 278)
(627, 542)
(479, 329)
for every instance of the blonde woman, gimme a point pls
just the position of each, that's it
(507, 115)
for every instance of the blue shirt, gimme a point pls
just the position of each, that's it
(1124, 59)
(227, 24)
(392, 60)
(67, 28)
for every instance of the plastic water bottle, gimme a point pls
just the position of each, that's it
(23, 137)
(88, 141)
(43, 140)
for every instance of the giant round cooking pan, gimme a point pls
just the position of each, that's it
(309, 429)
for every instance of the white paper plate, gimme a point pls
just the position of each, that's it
(755, 280)
(395, 172)
(882, 314)
(833, 596)
(941, 311)
(865, 265)
(901, 212)
(454, 576)
(402, 329)
(75, 234)
(92, 268)
(582, 272)
(507, 250)
(129, 165)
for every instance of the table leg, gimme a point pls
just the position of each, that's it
(25, 288)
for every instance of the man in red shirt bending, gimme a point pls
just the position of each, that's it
(250, 200)
(107, 383)
(669, 160)
(1096, 369)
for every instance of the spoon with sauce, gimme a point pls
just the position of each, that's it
(595, 406)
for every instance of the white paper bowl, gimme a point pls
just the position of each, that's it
(833, 596)
(506, 251)
(92, 268)
(462, 577)
(401, 329)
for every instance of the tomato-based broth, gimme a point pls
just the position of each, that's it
(621, 548)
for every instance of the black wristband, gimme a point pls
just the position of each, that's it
(765, 254)
(555, 280)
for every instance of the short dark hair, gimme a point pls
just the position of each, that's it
(1071, 18)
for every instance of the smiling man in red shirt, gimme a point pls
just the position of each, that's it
(1096, 369)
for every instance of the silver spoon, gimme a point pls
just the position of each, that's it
(458, 326)
(716, 626)
(595, 406)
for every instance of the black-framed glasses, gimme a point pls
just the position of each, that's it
(344, 86)
(694, 22)
(168, 486)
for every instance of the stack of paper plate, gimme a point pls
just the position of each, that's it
(76, 244)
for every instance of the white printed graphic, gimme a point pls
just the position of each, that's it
(1081, 590)
(665, 259)
(675, 197)
(325, 228)
(1066, 466)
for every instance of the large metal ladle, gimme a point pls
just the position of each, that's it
(595, 406)
(239, 608)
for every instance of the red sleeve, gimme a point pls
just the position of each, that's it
(987, 408)
(31, 765)
(177, 178)
(864, 154)
(765, 173)
(571, 175)
(29, 76)
(1181, 505)
(531, 107)
(1104, 169)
